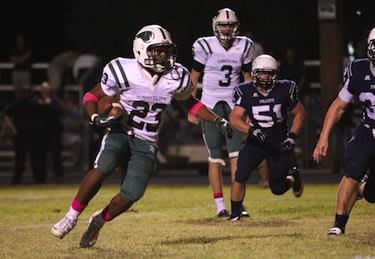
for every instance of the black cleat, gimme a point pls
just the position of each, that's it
(294, 178)
(223, 214)
(234, 218)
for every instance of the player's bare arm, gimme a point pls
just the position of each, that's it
(333, 115)
(91, 99)
(237, 119)
(299, 114)
(194, 80)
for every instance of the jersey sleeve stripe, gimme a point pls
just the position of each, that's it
(122, 73)
(237, 91)
(292, 89)
(205, 46)
(114, 74)
(247, 48)
(350, 69)
(185, 78)
(293, 95)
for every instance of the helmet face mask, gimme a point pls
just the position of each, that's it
(264, 73)
(225, 25)
(161, 57)
(371, 45)
(153, 48)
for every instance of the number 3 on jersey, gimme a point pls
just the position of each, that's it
(228, 79)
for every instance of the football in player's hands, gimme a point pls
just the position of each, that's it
(109, 106)
(109, 113)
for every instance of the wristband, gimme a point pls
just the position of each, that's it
(195, 108)
(89, 97)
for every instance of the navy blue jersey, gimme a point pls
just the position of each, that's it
(268, 113)
(359, 81)
(360, 150)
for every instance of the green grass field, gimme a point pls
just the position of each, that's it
(180, 222)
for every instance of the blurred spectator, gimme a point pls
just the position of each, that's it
(6, 132)
(360, 46)
(293, 68)
(50, 110)
(258, 47)
(60, 70)
(21, 59)
(21, 117)
(310, 132)
(82, 67)
(360, 49)
(71, 137)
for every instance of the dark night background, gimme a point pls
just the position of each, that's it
(107, 27)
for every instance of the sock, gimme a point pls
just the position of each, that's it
(340, 221)
(218, 195)
(105, 214)
(236, 207)
(72, 213)
(219, 201)
(76, 208)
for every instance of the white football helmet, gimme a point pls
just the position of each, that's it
(225, 16)
(371, 45)
(264, 63)
(153, 48)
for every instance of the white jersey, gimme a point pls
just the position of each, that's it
(144, 101)
(222, 68)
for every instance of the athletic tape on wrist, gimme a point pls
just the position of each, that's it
(93, 117)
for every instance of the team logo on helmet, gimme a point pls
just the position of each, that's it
(146, 36)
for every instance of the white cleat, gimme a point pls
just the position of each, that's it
(335, 231)
(63, 227)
